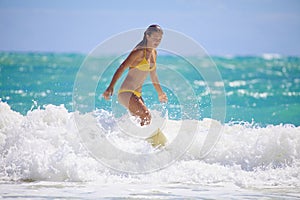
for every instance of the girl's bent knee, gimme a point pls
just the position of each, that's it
(146, 120)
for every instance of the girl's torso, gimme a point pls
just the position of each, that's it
(139, 70)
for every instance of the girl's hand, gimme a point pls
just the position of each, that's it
(163, 98)
(108, 93)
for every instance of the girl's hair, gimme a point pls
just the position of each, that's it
(152, 28)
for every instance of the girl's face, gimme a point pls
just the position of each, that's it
(154, 39)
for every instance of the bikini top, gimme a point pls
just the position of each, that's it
(144, 65)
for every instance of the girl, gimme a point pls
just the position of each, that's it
(141, 62)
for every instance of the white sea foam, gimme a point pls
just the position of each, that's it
(45, 145)
(270, 56)
(237, 83)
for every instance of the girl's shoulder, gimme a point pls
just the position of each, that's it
(137, 52)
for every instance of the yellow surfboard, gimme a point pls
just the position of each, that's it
(157, 139)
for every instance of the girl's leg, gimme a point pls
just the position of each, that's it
(136, 106)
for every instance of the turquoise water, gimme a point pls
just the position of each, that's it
(262, 89)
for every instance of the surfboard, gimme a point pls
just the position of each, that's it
(157, 139)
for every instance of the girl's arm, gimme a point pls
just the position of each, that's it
(161, 95)
(127, 62)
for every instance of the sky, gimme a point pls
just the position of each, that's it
(222, 27)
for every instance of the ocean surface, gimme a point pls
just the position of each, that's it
(256, 153)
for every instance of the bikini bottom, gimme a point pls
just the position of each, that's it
(136, 93)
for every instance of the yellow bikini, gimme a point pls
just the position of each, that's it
(142, 66)
(136, 93)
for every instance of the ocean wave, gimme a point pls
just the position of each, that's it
(44, 144)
